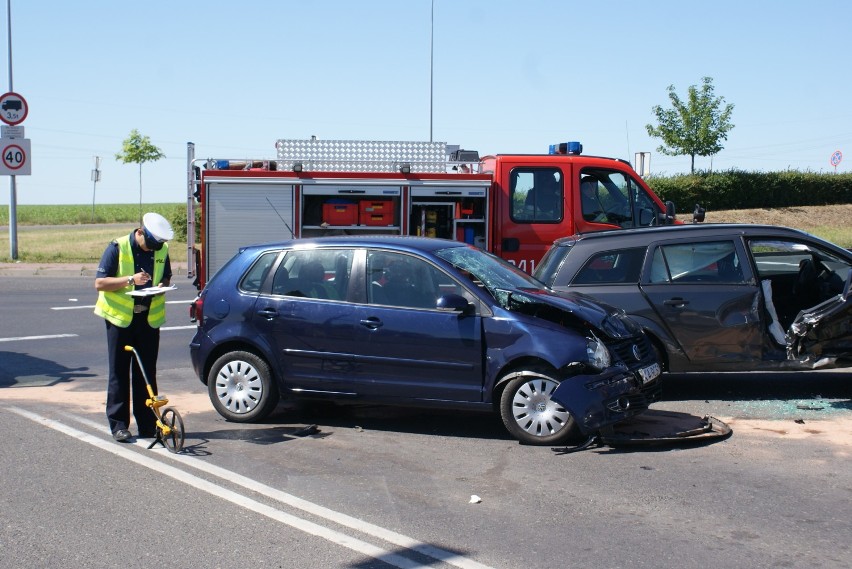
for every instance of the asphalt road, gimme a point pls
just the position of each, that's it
(377, 487)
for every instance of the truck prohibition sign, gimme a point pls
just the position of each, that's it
(13, 108)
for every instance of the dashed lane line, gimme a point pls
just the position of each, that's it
(92, 306)
(46, 337)
(55, 336)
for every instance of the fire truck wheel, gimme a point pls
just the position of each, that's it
(528, 412)
(241, 387)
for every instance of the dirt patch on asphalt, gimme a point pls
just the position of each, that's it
(68, 395)
(835, 431)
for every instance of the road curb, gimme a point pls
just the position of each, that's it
(57, 270)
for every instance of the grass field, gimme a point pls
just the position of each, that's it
(64, 234)
(86, 214)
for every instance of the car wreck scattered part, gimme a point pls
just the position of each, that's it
(656, 428)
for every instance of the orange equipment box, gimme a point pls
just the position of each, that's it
(376, 212)
(340, 213)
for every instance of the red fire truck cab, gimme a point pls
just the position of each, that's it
(514, 205)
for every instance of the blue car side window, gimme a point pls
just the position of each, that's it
(314, 274)
(256, 275)
(403, 280)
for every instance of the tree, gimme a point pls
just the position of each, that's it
(137, 149)
(694, 128)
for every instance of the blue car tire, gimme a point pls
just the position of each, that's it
(528, 412)
(241, 387)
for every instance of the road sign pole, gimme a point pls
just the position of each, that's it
(96, 177)
(13, 194)
(13, 219)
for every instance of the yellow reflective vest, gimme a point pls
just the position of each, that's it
(117, 306)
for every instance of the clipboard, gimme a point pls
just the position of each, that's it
(151, 291)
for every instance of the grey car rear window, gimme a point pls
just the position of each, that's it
(612, 267)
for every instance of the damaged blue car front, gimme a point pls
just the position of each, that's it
(616, 378)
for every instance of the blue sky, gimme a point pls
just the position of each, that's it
(509, 76)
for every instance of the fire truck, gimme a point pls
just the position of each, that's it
(513, 205)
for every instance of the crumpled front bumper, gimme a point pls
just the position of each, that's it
(600, 400)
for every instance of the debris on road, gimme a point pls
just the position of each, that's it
(654, 428)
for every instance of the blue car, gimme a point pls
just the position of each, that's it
(416, 322)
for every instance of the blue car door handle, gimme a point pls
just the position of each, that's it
(676, 302)
(372, 323)
(268, 313)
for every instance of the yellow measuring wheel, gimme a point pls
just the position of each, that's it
(169, 422)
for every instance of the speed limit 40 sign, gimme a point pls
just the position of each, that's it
(15, 157)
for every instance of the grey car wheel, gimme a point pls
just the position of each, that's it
(241, 388)
(528, 412)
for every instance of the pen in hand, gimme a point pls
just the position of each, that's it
(145, 277)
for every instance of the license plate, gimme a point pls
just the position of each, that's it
(649, 373)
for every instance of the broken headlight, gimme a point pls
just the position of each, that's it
(597, 353)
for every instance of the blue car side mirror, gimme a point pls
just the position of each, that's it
(454, 303)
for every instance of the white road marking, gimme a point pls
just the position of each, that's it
(295, 522)
(92, 306)
(54, 336)
(50, 337)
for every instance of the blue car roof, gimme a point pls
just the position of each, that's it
(398, 242)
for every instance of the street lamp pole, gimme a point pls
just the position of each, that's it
(13, 201)
(431, 68)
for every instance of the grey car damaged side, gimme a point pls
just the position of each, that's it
(819, 334)
(717, 322)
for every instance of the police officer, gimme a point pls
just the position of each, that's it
(133, 262)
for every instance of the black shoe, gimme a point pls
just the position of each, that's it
(121, 435)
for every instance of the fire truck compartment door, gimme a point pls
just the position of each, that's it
(244, 214)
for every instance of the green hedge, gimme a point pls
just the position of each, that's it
(737, 189)
(178, 221)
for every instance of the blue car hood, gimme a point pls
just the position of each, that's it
(573, 309)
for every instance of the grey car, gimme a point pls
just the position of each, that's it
(718, 297)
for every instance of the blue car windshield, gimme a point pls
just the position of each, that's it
(488, 271)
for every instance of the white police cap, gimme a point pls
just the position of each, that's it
(158, 226)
